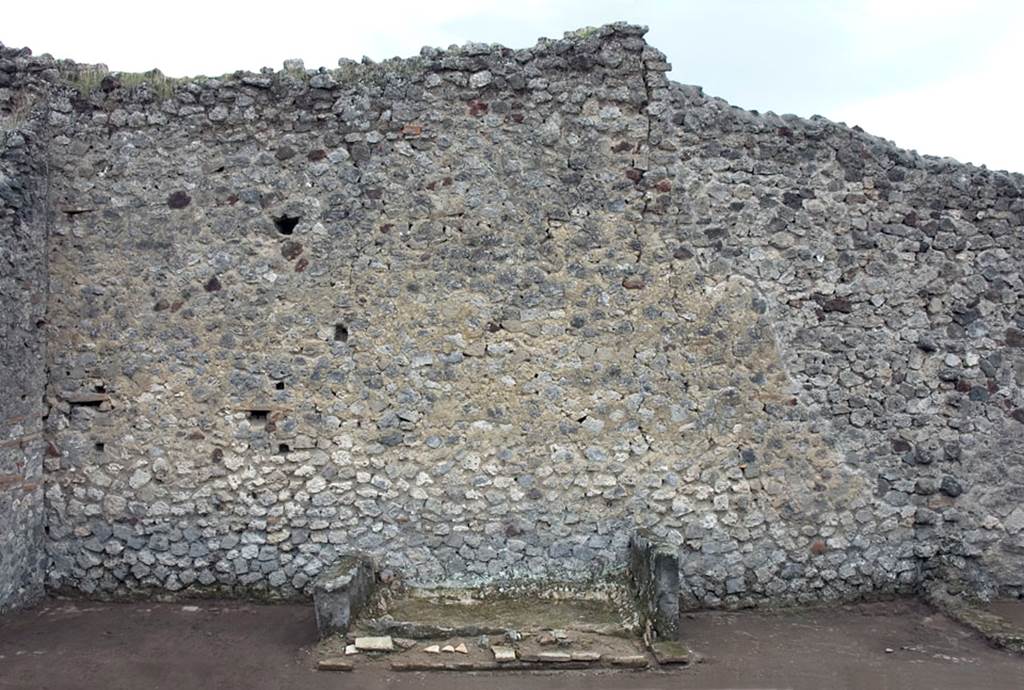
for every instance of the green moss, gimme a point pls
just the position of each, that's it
(514, 612)
(585, 32)
(599, 605)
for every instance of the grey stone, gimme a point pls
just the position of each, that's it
(950, 486)
(340, 592)
(654, 573)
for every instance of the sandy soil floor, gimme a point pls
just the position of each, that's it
(77, 644)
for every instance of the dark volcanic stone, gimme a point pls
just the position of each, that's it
(178, 199)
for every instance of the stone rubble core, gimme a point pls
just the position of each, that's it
(522, 629)
(482, 313)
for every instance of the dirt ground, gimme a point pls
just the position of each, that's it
(1011, 611)
(228, 645)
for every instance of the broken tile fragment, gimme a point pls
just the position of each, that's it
(546, 638)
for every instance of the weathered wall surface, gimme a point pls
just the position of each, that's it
(894, 287)
(483, 312)
(23, 284)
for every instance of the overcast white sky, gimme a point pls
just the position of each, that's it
(940, 76)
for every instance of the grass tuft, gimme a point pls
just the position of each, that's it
(89, 78)
(15, 113)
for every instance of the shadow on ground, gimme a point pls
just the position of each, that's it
(228, 645)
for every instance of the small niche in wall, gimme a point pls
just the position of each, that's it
(99, 446)
(284, 448)
(341, 333)
(257, 417)
(279, 385)
(86, 399)
(100, 388)
(285, 224)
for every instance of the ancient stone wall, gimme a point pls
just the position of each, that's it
(23, 283)
(483, 313)
(893, 286)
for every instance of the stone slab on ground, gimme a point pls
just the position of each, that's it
(528, 629)
(630, 660)
(334, 664)
(382, 643)
(487, 666)
(504, 654)
(341, 592)
(582, 651)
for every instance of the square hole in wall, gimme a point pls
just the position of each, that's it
(283, 448)
(259, 416)
(279, 385)
(286, 224)
(99, 446)
(341, 333)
